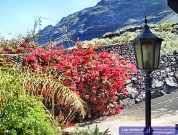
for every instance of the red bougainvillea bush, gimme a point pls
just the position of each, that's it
(96, 77)
(16, 46)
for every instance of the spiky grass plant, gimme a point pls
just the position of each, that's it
(55, 96)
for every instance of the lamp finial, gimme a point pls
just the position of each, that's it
(146, 21)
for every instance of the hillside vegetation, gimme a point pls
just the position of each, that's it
(167, 31)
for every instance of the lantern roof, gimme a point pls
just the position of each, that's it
(146, 34)
(173, 5)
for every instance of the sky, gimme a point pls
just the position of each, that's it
(18, 16)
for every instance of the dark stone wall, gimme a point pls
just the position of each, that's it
(165, 78)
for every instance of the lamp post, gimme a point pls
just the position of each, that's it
(147, 52)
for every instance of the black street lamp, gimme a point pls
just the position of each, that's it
(147, 52)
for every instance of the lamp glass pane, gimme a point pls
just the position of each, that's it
(138, 55)
(147, 49)
(157, 54)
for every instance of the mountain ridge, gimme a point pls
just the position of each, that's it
(106, 16)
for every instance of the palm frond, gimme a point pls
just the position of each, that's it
(42, 85)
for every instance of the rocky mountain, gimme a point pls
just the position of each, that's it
(106, 16)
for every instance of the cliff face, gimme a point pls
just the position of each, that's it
(106, 16)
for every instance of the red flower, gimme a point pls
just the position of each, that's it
(5, 52)
(35, 65)
(94, 100)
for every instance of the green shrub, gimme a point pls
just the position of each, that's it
(25, 115)
(20, 113)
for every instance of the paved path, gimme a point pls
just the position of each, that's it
(164, 113)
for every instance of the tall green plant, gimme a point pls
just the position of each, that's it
(55, 96)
